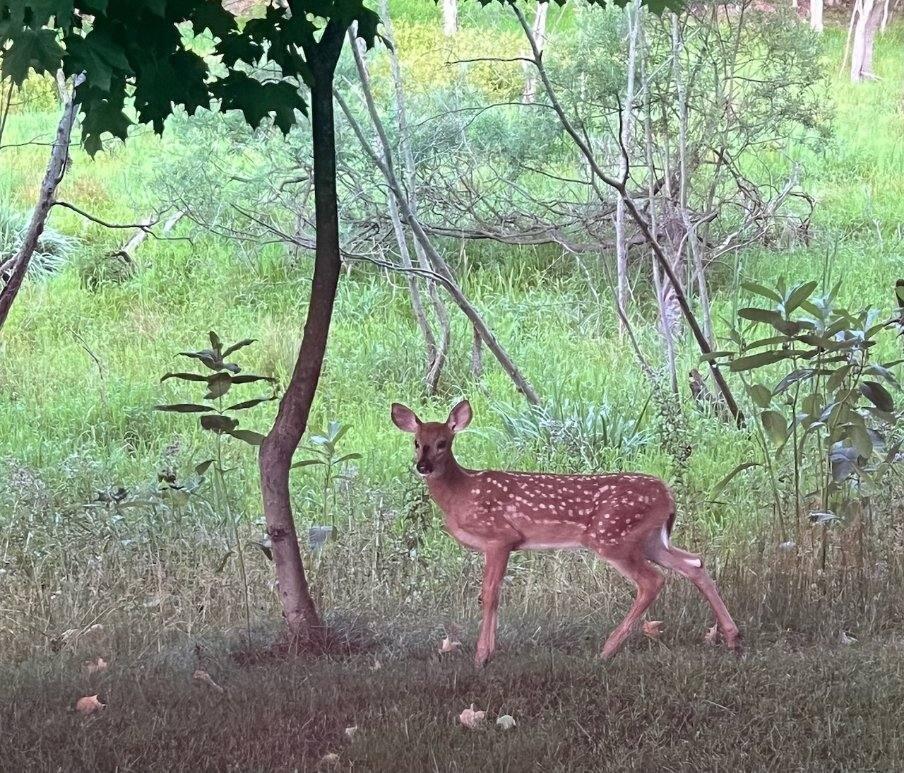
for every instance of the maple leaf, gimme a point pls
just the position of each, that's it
(257, 100)
(29, 49)
(653, 628)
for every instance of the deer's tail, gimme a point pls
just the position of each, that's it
(666, 536)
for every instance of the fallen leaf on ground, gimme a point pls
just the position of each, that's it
(653, 628)
(712, 636)
(88, 705)
(202, 676)
(472, 719)
(350, 732)
(506, 722)
(376, 665)
(449, 646)
(95, 666)
(330, 760)
(846, 640)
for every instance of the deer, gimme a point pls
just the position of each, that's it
(625, 518)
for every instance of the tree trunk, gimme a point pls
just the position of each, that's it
(868, 15)
(294, 408)
(56, 168)
(627, 121)
(530, 82)
(450, 17)
(816, 15)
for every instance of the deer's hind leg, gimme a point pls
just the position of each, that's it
(649, 582)
(691, 566)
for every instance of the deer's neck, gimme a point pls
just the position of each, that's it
(447, 487)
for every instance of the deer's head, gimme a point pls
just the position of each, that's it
(432, 439)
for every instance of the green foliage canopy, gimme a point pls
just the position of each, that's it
(140, 61)
(144, 50)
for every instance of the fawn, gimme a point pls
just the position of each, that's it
(625, 518)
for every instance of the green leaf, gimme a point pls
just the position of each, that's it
(207, 357)
(215, 343)
(751, 361)
(248, 378)
(775, 426)
(184, 408)
(860, 438)
(257, 100)
(30, 49)
(878, 395)
(720, 486)
(218, 423)
(100, 57)
(761, 315)
(793, 378)
(248, 436)
(307, 463)
(218, 385)
(201, 468)
(239, 345)
(185, 376)
(249, 403)
(798, 295)
(102, 113)
(760, 395)
(347, 458)
(765, 292)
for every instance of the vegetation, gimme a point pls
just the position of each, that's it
(117, 542)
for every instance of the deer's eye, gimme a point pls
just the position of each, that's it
(441, 445)
(416, 444)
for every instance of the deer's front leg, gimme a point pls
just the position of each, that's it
(496, 559)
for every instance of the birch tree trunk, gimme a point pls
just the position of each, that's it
(530, 82)
(450, 17)
(627, 125)
(816, 15)
(865, 20)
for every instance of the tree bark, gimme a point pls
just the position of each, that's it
(865, 20)
(450, 17)
(627, 121)
(816, 15)
(56, 168)
(291, 421)
(530, 80)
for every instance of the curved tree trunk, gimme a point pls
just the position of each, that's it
(56, 168)
(292, 418)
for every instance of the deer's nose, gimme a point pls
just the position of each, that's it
(424, 468)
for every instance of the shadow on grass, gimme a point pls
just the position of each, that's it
(660, 705)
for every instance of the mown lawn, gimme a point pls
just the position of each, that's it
(660, 705)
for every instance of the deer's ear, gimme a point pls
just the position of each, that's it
(404, 418)
(460, 417)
